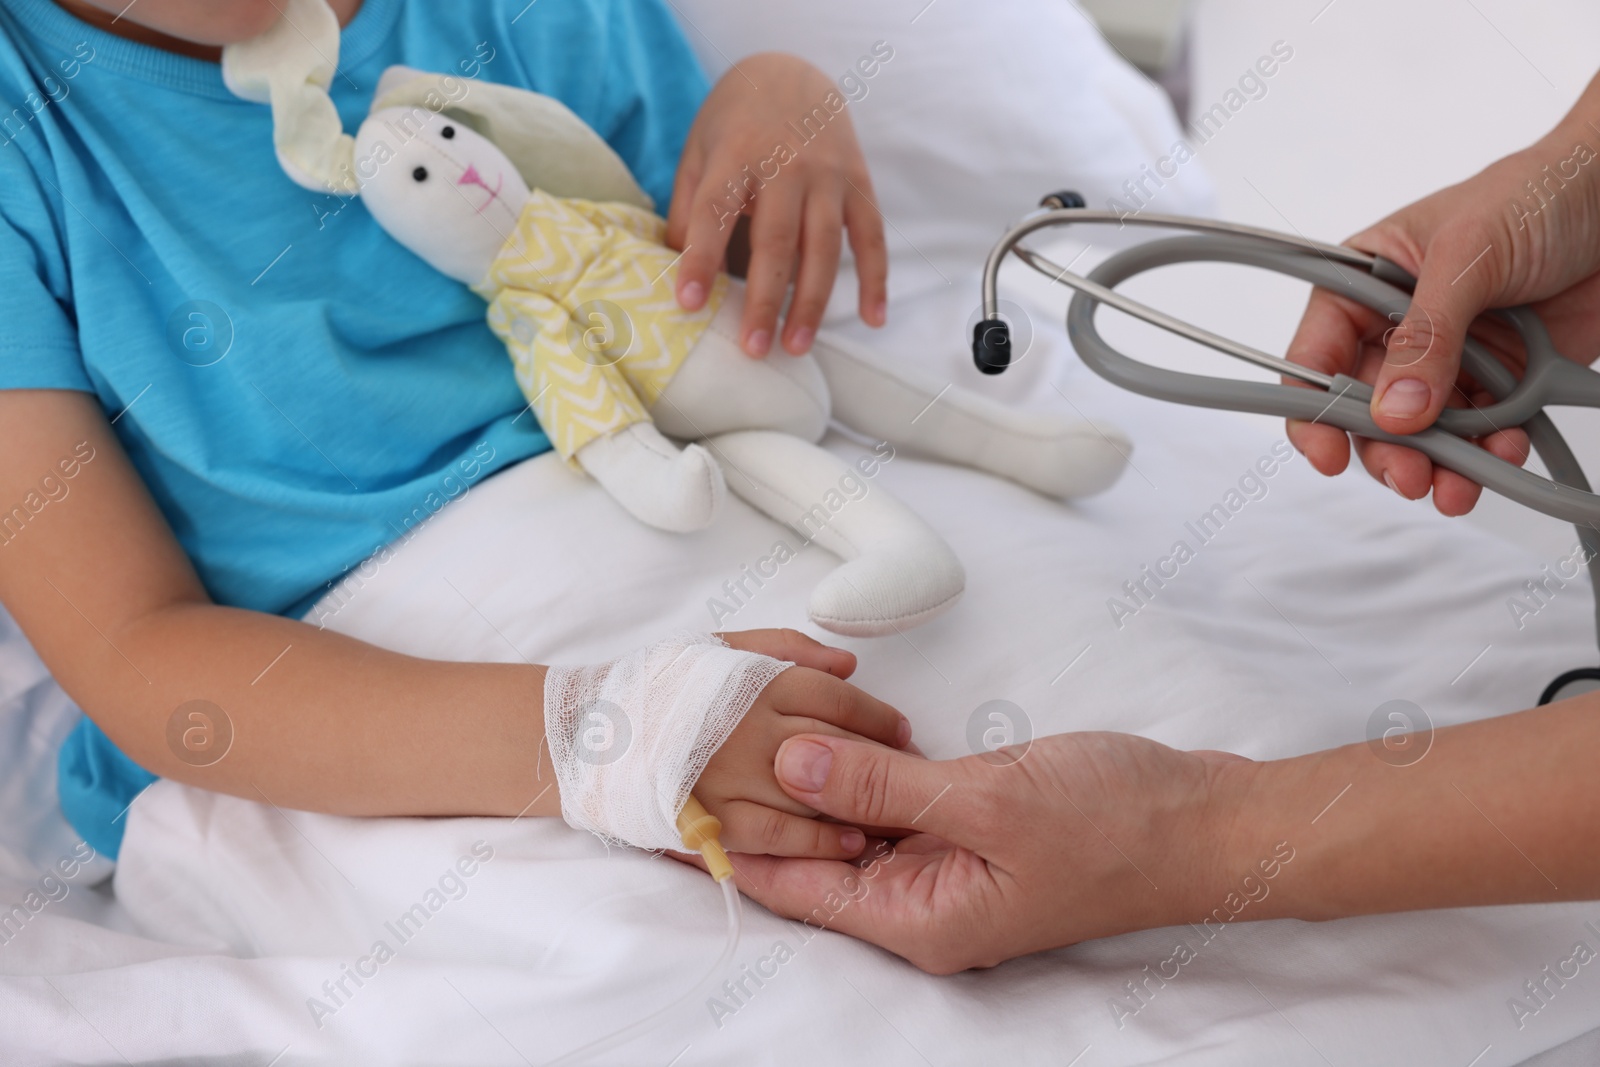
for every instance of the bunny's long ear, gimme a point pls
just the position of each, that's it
(291, 66)
(553, 148)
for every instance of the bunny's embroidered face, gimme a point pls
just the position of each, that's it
(439, 188)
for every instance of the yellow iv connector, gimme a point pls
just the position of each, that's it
(699, 830)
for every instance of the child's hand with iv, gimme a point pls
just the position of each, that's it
(798, 196)
(739, 786)
(629, 739)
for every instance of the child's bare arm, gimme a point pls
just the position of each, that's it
(321, 721)
(108, 598)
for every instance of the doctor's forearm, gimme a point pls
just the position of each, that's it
(1501, 811)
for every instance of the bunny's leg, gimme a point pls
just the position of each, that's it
(1053, 455)
(661, 485)
(897, 573)
(719, 389)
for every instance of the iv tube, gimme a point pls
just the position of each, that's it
(699, 830)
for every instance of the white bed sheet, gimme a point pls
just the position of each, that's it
(230, 915)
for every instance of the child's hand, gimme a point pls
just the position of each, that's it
(798, 193)
(738, 785)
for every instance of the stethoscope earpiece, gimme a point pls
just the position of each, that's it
(991, 338)
(991, 345)
(1066, 198)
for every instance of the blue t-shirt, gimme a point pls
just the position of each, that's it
(296, 389)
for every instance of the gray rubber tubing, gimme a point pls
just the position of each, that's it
(1347, 406)
(1548, 378)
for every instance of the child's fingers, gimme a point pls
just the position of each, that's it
(756, 828)
(795, 647)
(865, 223)
(818, 696)
(684, 186)
(774, 238)
(711, 215)
(821, 241)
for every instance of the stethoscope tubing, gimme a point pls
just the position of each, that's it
(1337, 400)
(1548, 378)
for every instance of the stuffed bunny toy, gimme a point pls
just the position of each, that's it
(510, 193)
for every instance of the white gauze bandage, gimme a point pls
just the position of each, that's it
(630, 738)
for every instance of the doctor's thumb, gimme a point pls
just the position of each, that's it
(861, 783)
(1422, 349)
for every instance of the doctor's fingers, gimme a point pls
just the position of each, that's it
(754, 828)
(872, 786)
(1335, 336)
(1455, 282)
(1413, 475)
(754, 747)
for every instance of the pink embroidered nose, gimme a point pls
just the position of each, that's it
(472, 177)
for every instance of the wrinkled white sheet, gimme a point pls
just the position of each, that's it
(1313, 605)
(231, 916)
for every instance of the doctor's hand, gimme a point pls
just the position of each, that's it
(1526, 230)
(996, 858)
(743, 157)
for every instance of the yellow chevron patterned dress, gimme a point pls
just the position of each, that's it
(583, 295)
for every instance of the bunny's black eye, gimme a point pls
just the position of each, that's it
(448, 133)
(420, 174)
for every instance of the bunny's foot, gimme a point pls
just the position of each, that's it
(897, 573)
(672, 489)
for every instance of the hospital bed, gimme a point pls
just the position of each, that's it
(238, 933)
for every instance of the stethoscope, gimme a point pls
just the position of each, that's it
(1549, 379)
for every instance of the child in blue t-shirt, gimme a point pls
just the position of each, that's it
(219, 391)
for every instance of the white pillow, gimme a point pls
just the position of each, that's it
(980, 110)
